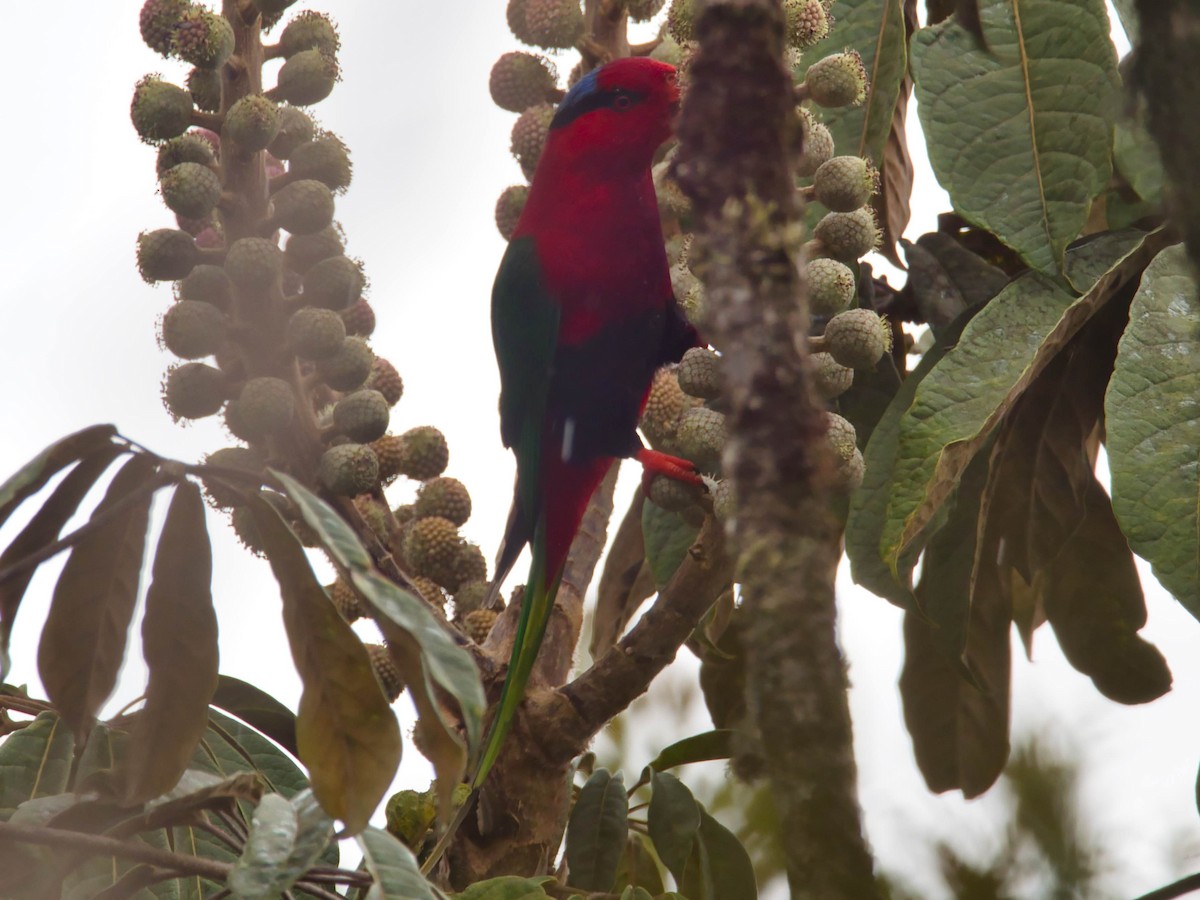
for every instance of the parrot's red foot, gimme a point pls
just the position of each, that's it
(655, 462)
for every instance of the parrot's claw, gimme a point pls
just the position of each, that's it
(655, 462)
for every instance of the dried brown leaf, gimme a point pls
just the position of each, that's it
(893, 202)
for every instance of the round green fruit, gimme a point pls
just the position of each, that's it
(194, 391)
(858, 338)
(266, 405)
(306, 78)
(252, 123)
(303, 251)
(334, 283)
(445, 497)
(324, 158)
(160, 110)
(553, 24)
(309, 31)
(349, 367)
(847, 236)
(295, 128)
(192, 329)
(254, 264)
(207, 284)
(190, 190)
(362, 416)
(349, 470)
(520, 80)
(303, 207)
(509, 207)
(203, 39)
(837, 80)
(166, 254)
(529, 136)
(831, 286)
(315, 333)
(845, 183)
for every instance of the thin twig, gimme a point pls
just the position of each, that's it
(1178, 888)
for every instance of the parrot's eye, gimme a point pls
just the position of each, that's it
(622, 101)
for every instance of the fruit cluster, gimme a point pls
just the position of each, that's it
(272, 330)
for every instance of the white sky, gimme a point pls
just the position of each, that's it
(431, 156)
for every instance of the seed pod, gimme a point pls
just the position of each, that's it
(349, 470)
(252, 122)
(307, 78)
(160, 111)
(192, 330)
(166, 254)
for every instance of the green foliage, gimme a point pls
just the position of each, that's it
(667, 537)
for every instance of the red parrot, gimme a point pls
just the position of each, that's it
(582, 316)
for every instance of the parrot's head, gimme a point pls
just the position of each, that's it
(616, 116)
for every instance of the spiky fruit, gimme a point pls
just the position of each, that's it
(469, 565)
(553, 24)
(529, 136)
(643, 10)
(410, 814)
(817, 148)
(845, 183)
(807, 21)
(837, 80)
(445, 497)
(385, 379)
(699, 373)
(266, 405)
(349, 367)
(307, 78)
(252, 122)
(254, 264)
(425, 453)
(349, 470)
(303, 251)
(431, 548)
(385, 670)
(849, 235)
(701, 437)
(470, 596)
(160, 110)
(194, 391)
(858, 338)
(239, 459)
(390, 450)
(190, 190)
(207, 284)
(723, 501)
(520, 80)
(314, 333)
(295, 128)
(334, 283)
(165, 254)
(830, 377)
(205, 87)
(188, 147)
(203, 39)
(359, 318)
(673, 495)
(345, 598)
(192, 329)
(477, 624)
(361, 416)
(247, 531)
(681, 20)
(309, 31)
(324, 158)
(158, 21)
(303, 207)
(664, 405)
(508, 208)
(514, 14)
(430, 590)
(831, 286)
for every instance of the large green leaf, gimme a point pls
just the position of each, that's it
(257, 708)
(34, 474)
(277, 852)
(702, 747)
(395, 870)
(597, 831)
(35, 762)
(1153, 429)
(673, 821)
(1019, 133)
(507, 887)
(719, 866)
(230, 747)
(667, 539)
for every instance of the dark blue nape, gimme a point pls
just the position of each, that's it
(583, 97)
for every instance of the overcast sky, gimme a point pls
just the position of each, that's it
(431, 156)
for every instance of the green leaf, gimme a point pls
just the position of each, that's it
(1018, 134)
(667, 538)
(346, 732)
(230, 747)
(638, 868)
(697, 748)
(597, 831)
(257, 708)
(673, 821)
(1153, 430)
(719, 866)
(43, 529)
(1136, 156)
(35, 762)
(262, 870)
(179, 642)
(395, 870)
(507, 887)
(83, 642)
(33, 476)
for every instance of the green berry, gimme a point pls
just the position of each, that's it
(334, 283)
(205, 87)
(166, 254)
(816, 148)
(203, 39)
(240, 459)
(673, 495)
(295, 128)
(664, 405)
(529, 136)
(252, 123)
(254, 264)
(845, 183)
(424, 453)
(158, 21)
(520, 80)
(681, 20)
(831, 286)
(469, 565)
(724, 507)
(699, 373)
(643, 10)
(266, 405)
(307, 78)
(807, 22)
(160, 110)
(410, 815)
(837, 80)
(303, 207)
(553, 24)
(830, 378)
(362, 416)
(185, 148)
(477, 624)
(470, 597)
(315, 333)
(701, 437)
(385, 379)
(190, 190)
(194, 391)
(843, 440)
(303, 251)
(246, 529)
(349, 367)
(509, 207)
(359, 318)
(385, 670)
(390, 450)
(847, 236)
(345, 598)
(325, 158)
(431, 548)
(348, 470)
(192, 329)
(309, 31)
(207, 284)
(858, 338)
(445, 497)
